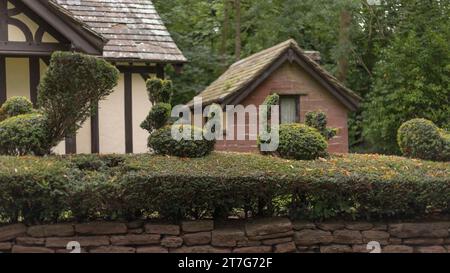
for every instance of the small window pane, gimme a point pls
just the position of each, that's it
(288, 108)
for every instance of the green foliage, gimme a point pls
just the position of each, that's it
(421, 138)
(301, 142)
(16, 106)
(34, 190)
(158, 117)
(162, 142)
(71, 89)
(412, 77)
(24, 135)
(271, 101)
(446, 149)
(159, 91)
(318, 120)
(55, 189)
(377, 34)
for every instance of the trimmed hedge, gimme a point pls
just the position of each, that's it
(301, 142)
(163, 143)
(52, 189)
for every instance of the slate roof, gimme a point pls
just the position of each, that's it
(241, 74)
(133, 29)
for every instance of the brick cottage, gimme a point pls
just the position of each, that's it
(303, 85)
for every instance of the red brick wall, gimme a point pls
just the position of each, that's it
(290, 79)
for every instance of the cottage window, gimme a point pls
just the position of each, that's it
(289, 109)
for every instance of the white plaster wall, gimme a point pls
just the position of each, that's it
(112, 121)
(84, 138)
(16, 35)
(17, 77)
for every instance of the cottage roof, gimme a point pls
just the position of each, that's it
(132, 29)
(243, 76)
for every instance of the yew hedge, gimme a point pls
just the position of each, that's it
(83, 188)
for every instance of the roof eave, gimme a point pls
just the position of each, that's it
(81, 37)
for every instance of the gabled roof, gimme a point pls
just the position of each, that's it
(81, 37)
(245, 75)
(133, 29)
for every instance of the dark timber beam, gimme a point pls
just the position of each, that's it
(137, 69)
(84, 40)
(2, 80)
(34, 78)
(160, 71)
(95, 132)
(30, 48)
(43, 25)
(128, 113)
(71, 145)
(3, 20)
(3, 37)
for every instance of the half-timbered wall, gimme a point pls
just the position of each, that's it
(116, 127)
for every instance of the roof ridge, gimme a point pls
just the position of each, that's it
(283, 45)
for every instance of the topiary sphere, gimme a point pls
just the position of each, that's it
(24, 135)
(162, 142)
(301, 142)
(421, 138)
(16, 106)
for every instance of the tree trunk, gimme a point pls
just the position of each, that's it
(225, 27)
(344, 45)
(238, 42)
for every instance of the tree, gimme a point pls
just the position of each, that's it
(71, 89)
(238, 40)
(412, 77)
(344, 45)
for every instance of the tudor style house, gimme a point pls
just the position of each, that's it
(303, 85)
(128, 33)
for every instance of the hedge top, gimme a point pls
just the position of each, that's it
(371, 167)
(245, 165)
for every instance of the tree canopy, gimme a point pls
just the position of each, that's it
(395, 47)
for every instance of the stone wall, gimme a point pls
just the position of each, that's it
(269, 235)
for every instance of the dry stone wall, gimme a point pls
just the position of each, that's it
(270, 235)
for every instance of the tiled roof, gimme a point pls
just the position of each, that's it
(133, 28)
(242, 73)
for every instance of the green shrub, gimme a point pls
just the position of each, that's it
(159, 90)
(16, 106)
(421, 138)
(34, 190)
(158, 117)
(23, 135)
(162, 142)
(71, 89)
(301, 142)
(55, 189)
(445, 154)
(318, 120)
(270, 101)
